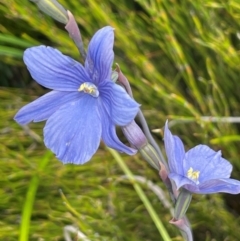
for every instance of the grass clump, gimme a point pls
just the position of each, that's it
(182, 59)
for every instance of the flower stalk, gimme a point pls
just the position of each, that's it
(183, 201)
(124, 81)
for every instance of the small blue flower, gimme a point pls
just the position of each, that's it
(199, 170)
(84, 105)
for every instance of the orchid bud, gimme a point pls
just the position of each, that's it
(149, 154)
(54, 9)
(138, 140)
(134, 135)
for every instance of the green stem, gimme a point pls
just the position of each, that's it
(163, 232)
(30, 197)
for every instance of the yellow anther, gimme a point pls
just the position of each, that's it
(89, 88)
(194, 175)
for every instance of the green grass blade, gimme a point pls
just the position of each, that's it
(4, 38)
(30, 197)
(163, 232)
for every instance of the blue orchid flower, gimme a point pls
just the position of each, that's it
(199, 170)
(84, 105)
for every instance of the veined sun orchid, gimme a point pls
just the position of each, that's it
(199, 170)
(84, 105)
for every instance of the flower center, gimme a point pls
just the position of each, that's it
(194, 175)
(89, 88)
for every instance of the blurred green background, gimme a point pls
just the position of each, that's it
(183, 61)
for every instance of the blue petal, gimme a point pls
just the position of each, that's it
(174, 150)
(121, 107)
(225, 185)
(100, 55)
(109, 135)
(181, 181)
(42, 108)
(208, 162)
(53, 70)
(73, 132)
